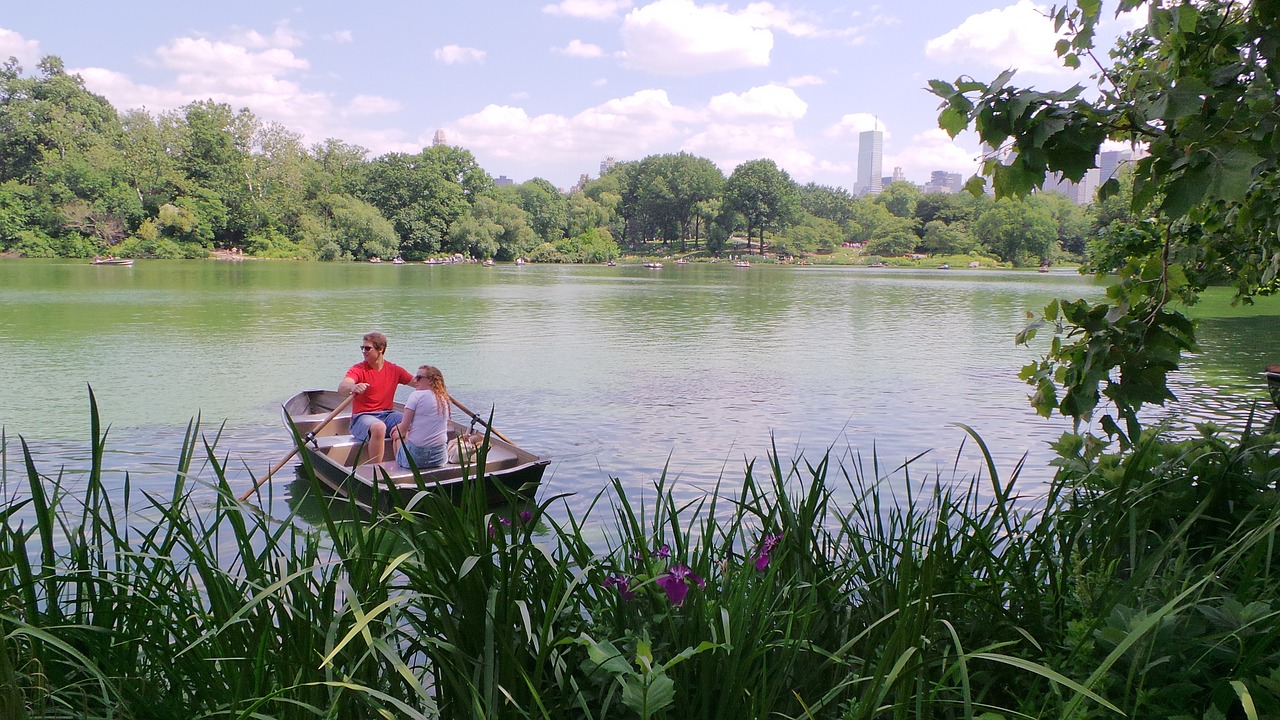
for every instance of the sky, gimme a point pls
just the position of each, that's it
(550, 89)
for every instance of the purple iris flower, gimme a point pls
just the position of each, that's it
(677, 581)
(623, 585)
(767, 546)
(663, 552)
(525, 516)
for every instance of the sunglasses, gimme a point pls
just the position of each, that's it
(366, 348)
(419, 377)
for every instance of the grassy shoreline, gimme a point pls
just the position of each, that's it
(1143, 584)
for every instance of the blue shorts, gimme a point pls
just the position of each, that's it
(423, 457)
(360, 423)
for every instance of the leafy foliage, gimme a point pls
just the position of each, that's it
(1196, 90)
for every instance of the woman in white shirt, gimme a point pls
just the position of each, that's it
(424, 430)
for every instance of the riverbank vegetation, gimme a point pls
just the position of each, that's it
(79, 177)
(1141, 584)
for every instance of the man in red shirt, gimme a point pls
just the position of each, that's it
(373, 382)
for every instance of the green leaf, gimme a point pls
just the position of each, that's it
(648, 698)
(1233, 173)
(954, 121)
(1184, 192)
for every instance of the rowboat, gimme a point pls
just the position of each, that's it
(653, 265)
(1273, 383)
(112, 261)
(332, 452)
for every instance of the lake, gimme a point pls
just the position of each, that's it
(610, 371)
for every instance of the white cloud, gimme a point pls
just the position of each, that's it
(629, 127)
(850, 125)
(1018, 36)
(677, 37)
(590, 9)
(282, 37)
(730, 145)
(369, 105)
(804, 80)
(339, 37)
(456, 54)
(577, 48)
(13, 44)
(766, 102)
(767, 15)
(933, 150)
(216, 58)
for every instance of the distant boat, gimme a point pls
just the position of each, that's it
(944, 266)
(519, 261)
(654, 265)
(398, 261)
(682, 261)
(611, 264)
(375, 259)
(742, 263)
(487, 262)
(112, 261)
(434, 261)
(1044, 268)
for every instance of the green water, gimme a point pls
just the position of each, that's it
(610, 371)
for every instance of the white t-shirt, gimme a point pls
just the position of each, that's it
(429, 426)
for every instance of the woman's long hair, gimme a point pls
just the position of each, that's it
(435, 379)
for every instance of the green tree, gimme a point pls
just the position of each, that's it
(823, 201)
(764, 195)
(586, 214)
(493, 228)
(546, 207)
(1072, 220)
(214, 155)
(664, 196)
(1018, 231)
(356, 228)
(1197, 87)
(900, 198)
(948, 238)
(424, 194)
(335, 167)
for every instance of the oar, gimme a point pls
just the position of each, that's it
(478, 419)
(309, 437)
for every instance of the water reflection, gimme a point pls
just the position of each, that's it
(613, 372)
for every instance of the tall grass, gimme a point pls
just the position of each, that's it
(1142, 584)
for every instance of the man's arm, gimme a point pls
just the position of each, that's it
(349, 386)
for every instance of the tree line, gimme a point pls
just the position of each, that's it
(78, 178)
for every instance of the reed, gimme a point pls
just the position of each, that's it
(832, 588)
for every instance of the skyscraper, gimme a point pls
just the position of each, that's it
(870, 155)
(1110, 161)
(438, 139)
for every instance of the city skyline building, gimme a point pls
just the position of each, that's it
(439, 139)
(870, 157)
(1110, 161)
(947, 183)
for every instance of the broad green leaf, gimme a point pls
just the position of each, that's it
(1233, 173)
(953, 121)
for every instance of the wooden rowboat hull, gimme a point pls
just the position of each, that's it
(335, 457)
(1273, 386)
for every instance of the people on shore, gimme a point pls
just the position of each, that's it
(423, 434)
(373, 381)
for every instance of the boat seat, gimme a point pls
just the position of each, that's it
(497, 459)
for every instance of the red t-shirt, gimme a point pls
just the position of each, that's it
(381, 393)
